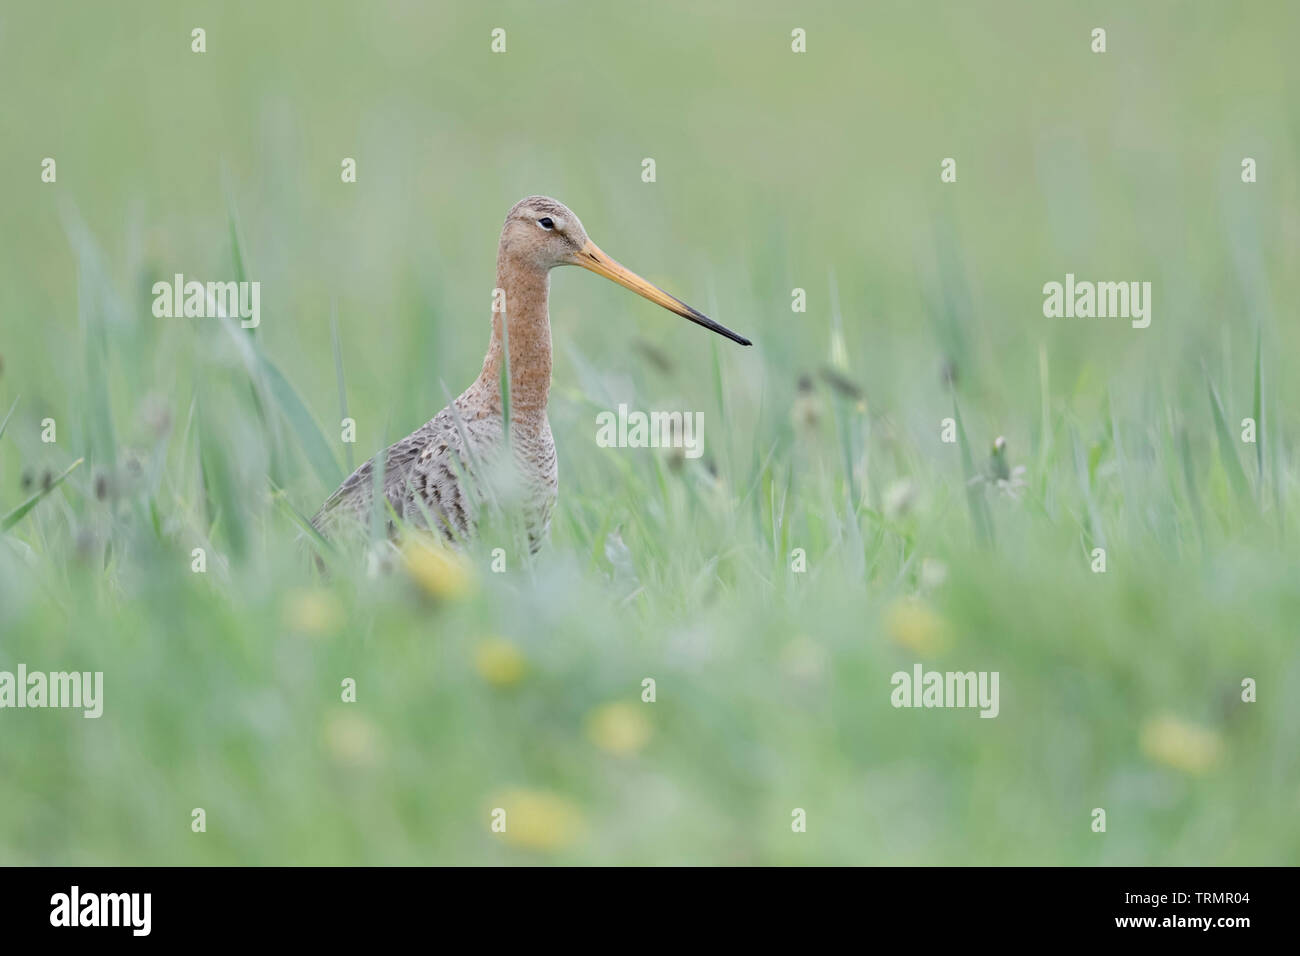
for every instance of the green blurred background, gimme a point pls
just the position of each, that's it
(775, 171)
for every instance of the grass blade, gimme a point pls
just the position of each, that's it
(979, 507)
(16, 515)
(1189, 478)
(5, 424)
(338, 374)
(225, 502)
(322, 545)
(1084, 473)
(1259, 411)
(1228, 453)
(98, 419)
(310, 437)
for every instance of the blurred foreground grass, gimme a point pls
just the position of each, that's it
(523, 689)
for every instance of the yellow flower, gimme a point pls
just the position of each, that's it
(912, 624)
(351, 739)
(620, 728)
(440, 571)
(311, 611)
(499, 662)
(1178, 744)
(537, 820)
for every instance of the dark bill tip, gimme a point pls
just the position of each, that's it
(699, 318)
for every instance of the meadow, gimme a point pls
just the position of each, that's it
(826, 538)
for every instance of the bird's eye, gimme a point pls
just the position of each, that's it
(546, 222)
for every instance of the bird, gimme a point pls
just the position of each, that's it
(440, 476)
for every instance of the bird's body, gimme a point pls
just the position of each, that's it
(442, 474)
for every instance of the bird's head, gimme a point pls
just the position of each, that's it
(545, 233)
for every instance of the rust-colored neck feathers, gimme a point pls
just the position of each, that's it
(526, 286)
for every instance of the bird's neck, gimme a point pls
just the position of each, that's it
(527, 326)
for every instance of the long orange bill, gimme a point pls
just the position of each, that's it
(593, 259)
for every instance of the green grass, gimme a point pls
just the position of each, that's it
(776, 171)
